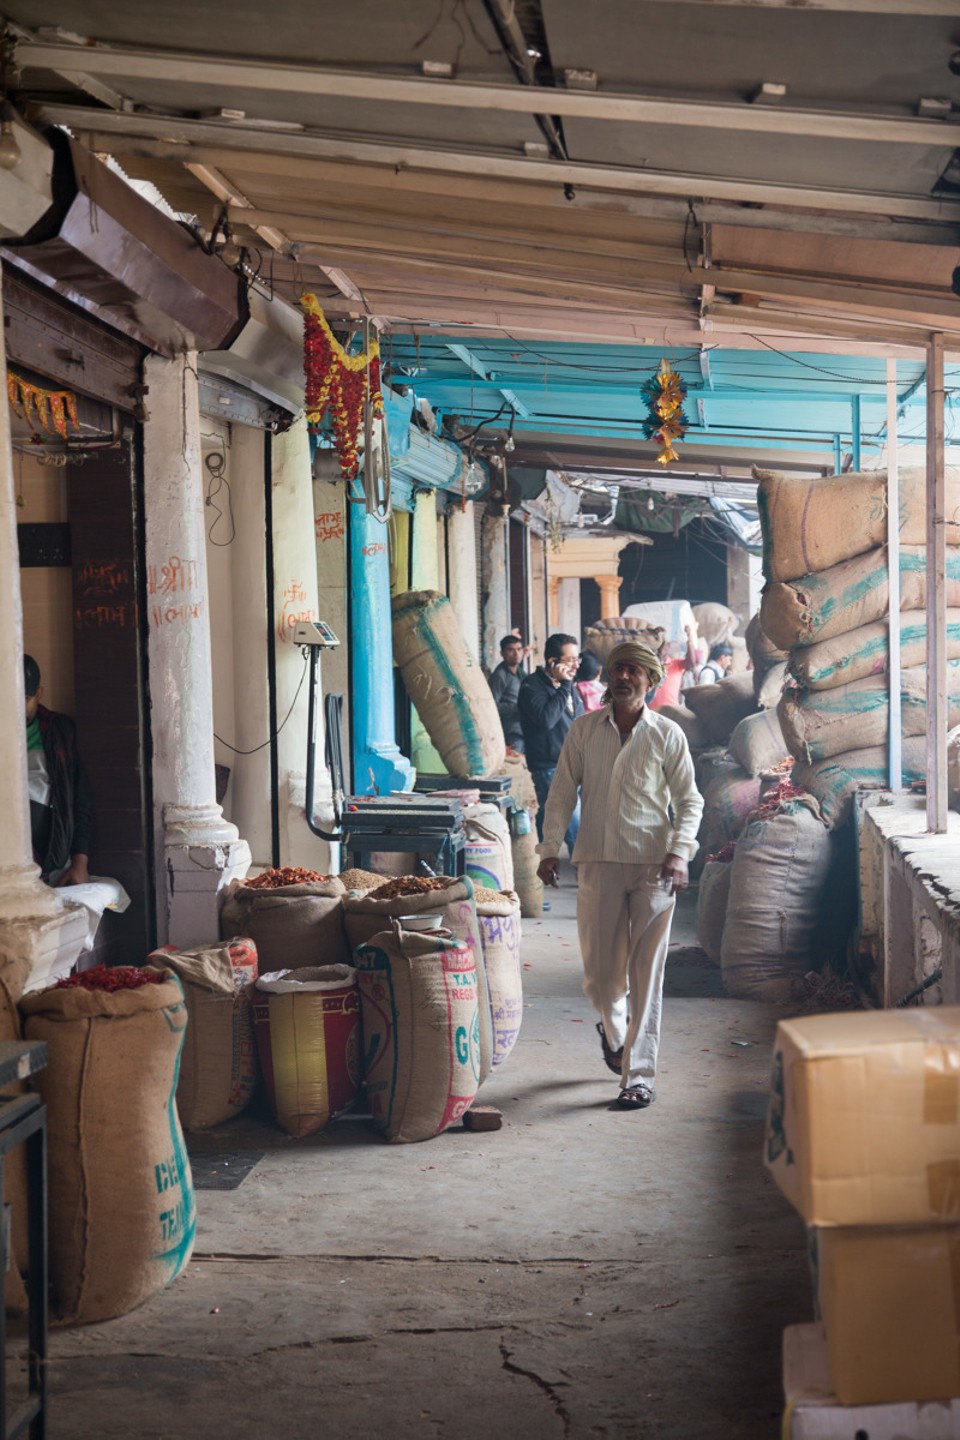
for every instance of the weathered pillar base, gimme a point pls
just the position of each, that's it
(38, 932)
(196, 874)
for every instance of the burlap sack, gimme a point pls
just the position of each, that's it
(308, 1035)
(421, 1032)
(292, 926)
(715, 622)
(779, 873)
(446, 684)
(601, 637)
(728, 800)
(768, 688)
(817, 724)
(764, 654)
(713, 895)
(865, 651)
(500, 931)
(526, 882)
(489, 857)
(810, 525)
(834, 782)
(696, 735)
(721, 707)
(14, 972)
(218, 1066)
(365, 917)
(757, 744)
(122, 1216)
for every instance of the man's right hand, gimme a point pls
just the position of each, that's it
(549, 871)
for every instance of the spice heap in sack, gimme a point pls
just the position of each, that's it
(218, 1068)
(122, 1216)
(421, 1031)
(291, 922)
(288, 875)
(362, 880)
(110, 980)
(308, 1034)
(450, 897)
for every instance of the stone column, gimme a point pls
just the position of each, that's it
(496, 589)
(198, 852)
(609, 595)
(462, 576)
(330, 533)
(377, 762)
(425, 575)
(553, 610)
(569, 607)
(39, 935)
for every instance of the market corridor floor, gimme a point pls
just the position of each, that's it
(583, 1272)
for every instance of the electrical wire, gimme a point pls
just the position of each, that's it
(226, 743)
(217, 465)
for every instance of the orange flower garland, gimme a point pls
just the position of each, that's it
(337, 382)
(52, 408)
(664, 396)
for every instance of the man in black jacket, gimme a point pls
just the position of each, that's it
(60, 803)
(548, 704)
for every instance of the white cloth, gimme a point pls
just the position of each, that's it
(624, 914)
(627, 791)
(98, 894)
(38, 780)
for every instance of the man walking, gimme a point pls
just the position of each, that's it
(641, 812)
(549, 703)
(505, 681)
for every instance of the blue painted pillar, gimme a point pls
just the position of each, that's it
(837, 455)
(376, 760)
(855, 429)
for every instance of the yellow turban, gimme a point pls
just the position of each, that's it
(636, 654)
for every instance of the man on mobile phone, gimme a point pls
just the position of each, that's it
(548, 704)
(641, 812)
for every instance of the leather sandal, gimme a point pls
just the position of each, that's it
(635, 1097)
(613, 1059)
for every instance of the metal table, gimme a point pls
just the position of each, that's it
(415, 824)
(23, 1121)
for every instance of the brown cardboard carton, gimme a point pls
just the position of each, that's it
(889, 1303)
(863, 1126)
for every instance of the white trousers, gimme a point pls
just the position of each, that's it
(624, 916)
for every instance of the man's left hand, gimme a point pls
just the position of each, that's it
(78, 873)
(675, 870)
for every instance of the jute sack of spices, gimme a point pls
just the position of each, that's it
(713, 894)
(365, 916)
(810, 525)
(218, 1067)
(523, 836)
(833, 782)
(446, 684)
(818, 724)
(308, 1034)
(421, 1031)
(722, 706)
(500, 930)
(14, 971)
(757, 744)
(122, 1214)
(865, 651)
(292, 926)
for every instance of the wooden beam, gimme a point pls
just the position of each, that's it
(239, 137)
(214, 72)
(937, 797)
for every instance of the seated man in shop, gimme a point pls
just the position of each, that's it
(60, 804)
(549, 703)
(505, 682)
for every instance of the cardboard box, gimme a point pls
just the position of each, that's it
(890, 1305)
(863, 1125)
(815, 1413)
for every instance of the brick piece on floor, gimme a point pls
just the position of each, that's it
(483, 1117)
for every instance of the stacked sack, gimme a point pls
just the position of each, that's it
(826, 602)
(863, 1138)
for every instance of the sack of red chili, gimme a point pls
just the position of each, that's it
(291, 925)
(282, 878)
(122, 1215)
(112, 978)
(218, 1067)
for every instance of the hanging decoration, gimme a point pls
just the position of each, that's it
(338, 382)
(664, 395)
(50, 408)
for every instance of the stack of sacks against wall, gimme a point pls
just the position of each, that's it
(826, 602)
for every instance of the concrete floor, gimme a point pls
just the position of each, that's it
(582, 1272)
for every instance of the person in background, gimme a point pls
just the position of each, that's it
(505, 684)
(588, 682)
(641, 812)
(676, 670)
(718, 664)
(549, 703)
(60, 802)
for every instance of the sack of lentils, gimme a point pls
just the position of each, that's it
(293, 916)
(122, 1214)
(450, 897)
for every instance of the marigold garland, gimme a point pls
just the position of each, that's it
(664, 396)
(337, 382)
(52, 408)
